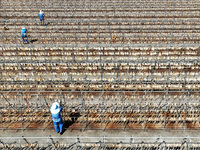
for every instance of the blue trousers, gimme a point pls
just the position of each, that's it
(58, 126)
(42, 21)
(23, 38)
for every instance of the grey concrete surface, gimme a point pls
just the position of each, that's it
(96, 136)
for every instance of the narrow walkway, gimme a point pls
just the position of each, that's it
(96, 136)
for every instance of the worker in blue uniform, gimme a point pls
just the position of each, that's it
(56, 117)
(24, 34)
(41, 14)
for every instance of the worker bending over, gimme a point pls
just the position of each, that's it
(41, 14)
(24, 34)
(56, 116)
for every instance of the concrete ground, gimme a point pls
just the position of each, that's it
(69, 136)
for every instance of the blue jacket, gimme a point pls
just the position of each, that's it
(23, 32)
(41, 15)
(57, 117)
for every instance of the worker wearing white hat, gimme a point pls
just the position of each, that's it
(56, 117)
(24, 34)
(41, 14)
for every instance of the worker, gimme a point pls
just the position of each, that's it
(5, 27)
(56, 109)
(24, 34)
(41, 14)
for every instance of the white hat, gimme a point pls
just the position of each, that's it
(23, 28)
(41, 12)
(55, 108)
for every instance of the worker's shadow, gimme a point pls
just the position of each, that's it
(68, 123)
(33, 40)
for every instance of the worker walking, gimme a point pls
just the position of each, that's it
(56, 116)
(24, 34)
(41, 14)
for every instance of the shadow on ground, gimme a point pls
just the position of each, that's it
(34, 40)
(68, 123)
